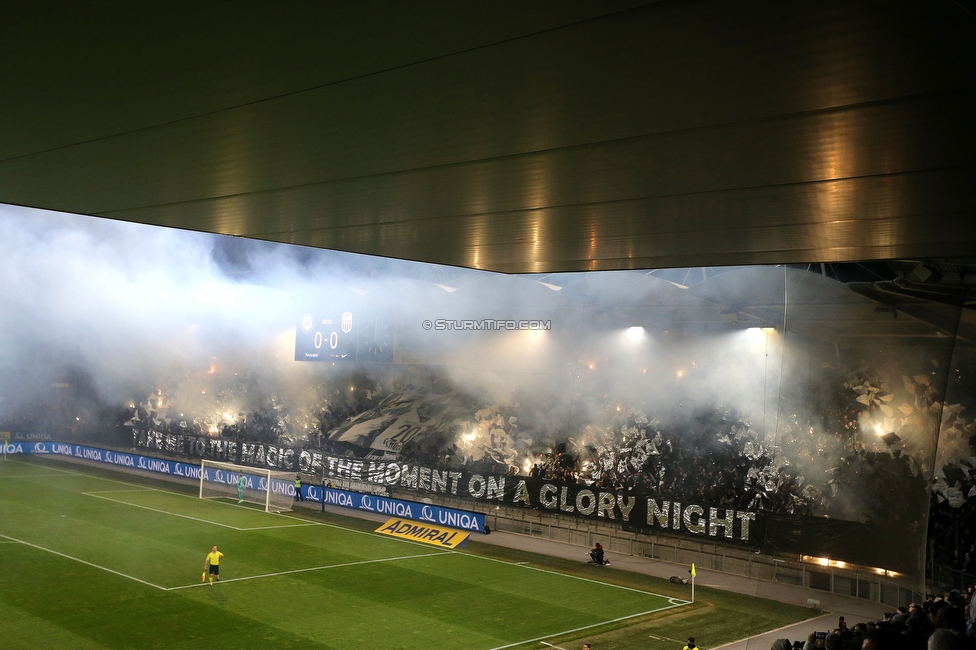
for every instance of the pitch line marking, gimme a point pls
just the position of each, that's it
(676, 602)
(146, 488)
(91, 564)
(93, 492)
(230, 505)
(665, 638)
(783, 627)
(585, 627)
(314, 568)
(174, 514)
(313, 523)
(552, 646)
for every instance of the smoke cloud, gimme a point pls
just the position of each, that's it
(101, 316)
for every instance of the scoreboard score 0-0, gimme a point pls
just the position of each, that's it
(326, 337)
(365, 335)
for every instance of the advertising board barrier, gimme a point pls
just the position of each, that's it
(426, 534)
(424, 512)
(145, 463)
(642, 513)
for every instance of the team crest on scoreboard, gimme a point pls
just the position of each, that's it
(346, 321)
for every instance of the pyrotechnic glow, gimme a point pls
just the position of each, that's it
(635, 334)
(680, 374)
(469, 437)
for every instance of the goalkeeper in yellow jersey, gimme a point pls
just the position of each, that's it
(212, 564)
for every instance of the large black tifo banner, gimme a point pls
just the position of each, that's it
(816, 536)
(631, 509)
(255, 454)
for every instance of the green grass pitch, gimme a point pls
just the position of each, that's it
(92, 559)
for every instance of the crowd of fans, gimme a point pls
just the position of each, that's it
(828, 459)
(940, 623)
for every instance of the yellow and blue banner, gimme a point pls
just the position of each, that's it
(425, 533)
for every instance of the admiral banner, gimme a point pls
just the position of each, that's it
(427, 534)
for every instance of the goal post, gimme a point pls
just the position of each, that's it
(271, 490)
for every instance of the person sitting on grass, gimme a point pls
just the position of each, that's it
(597, 556)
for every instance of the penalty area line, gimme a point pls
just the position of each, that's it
(91, 564)
(314, 568)
(98, 495)
(163, 512)
(313, 523)
(540, 639)
(91, 492)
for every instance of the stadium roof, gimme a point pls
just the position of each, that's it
(541, 137)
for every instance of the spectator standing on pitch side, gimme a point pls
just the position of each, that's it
(298, 488)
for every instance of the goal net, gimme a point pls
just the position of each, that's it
(273, 491)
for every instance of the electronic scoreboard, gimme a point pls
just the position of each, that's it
(338, 335)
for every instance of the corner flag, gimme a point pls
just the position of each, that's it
(693, 574)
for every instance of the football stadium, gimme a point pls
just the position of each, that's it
(622, 325)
